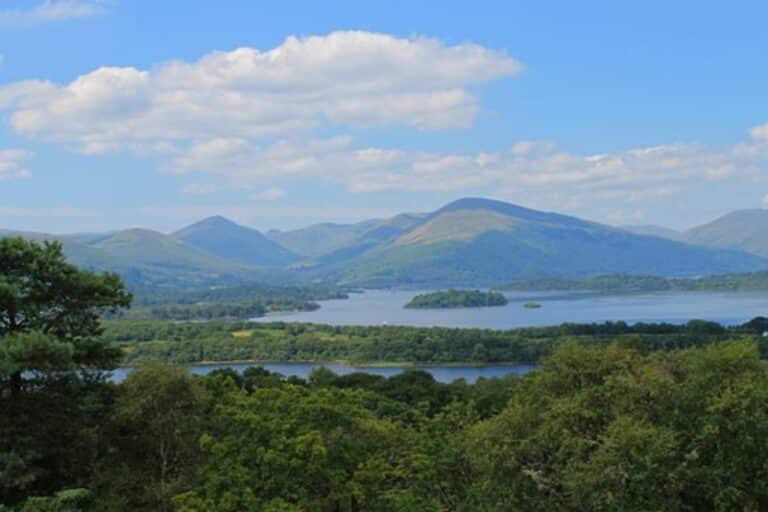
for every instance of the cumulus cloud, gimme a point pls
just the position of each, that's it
(11, 163)
(343, 78)
(269, 194)
(760, 132)
(50, 11)
(200, 189)
(635, 174)
(249, 116)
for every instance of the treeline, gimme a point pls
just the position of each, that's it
(246, 292)
(214, 311)
(235, 302)
(595, 428)
(752, 281)
(187, 342)
(457, 299)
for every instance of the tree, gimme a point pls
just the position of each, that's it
(153, 439)
(41, 292)
(49, 327)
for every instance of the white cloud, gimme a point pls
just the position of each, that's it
(343, 78)
(270, 194)
(47, 212)
(51, 11)
(200, 189)
(759, 132)
(11, 163)
(635, 175)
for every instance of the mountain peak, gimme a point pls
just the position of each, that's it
(216, 220)
(746, 214)
(742, 230)
(227, 239)
(509, 209)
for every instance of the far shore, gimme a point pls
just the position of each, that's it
(374, 364)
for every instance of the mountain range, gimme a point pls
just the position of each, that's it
(741, 230)
(469, 242)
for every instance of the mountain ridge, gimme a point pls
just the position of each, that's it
(222, 237)
(471, 241)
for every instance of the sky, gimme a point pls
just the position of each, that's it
(137, 113)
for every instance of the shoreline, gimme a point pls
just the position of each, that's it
(341, 362)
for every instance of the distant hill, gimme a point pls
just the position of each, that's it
(653, 230)
(146, 258)
(340, 242)
(471, 242)
(478, 241)
(223, 238)
(745, 230)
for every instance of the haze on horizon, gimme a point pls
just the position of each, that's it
(121, 114)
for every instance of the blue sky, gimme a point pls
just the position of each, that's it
(136, 113)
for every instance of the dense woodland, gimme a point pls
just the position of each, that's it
(231, 302)
(187, 342)
(613, 425)
(449, 299)
(741, 282)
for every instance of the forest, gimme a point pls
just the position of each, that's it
(613, 424)
(449, 299)
(622, 283)
(188, 342)
(226, 302)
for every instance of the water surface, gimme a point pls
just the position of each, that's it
(440, 373)
(377, 307)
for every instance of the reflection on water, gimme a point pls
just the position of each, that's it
(440, 373)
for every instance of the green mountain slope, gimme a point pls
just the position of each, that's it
(223, 238)
(330, 242)
(480, 241)
(653, 230)
(745, 230)
(146, 258)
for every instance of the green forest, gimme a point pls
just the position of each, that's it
(616, 417)
(610, 283)
(188, 342)
(226, 302)
(449, 299)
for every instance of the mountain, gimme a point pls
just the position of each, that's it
(146, 258)
(653, 230)
(223, 238)
(470, 242)
(476, 241)
(745, 230)
(339, 242)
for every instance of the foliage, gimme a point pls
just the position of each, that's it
(457, 299)
(619, 418)
(186, 342)
(238, 302)
(49, 324)
(750, 281)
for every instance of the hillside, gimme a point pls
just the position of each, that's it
(337, 242)
(479, 241)
(223, 238)
(653, 230)
(470, 242)
(745, 230)
(148, 259)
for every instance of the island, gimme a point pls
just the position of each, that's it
(450, 299)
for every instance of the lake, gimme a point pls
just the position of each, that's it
(377, 307)
(440, 373)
